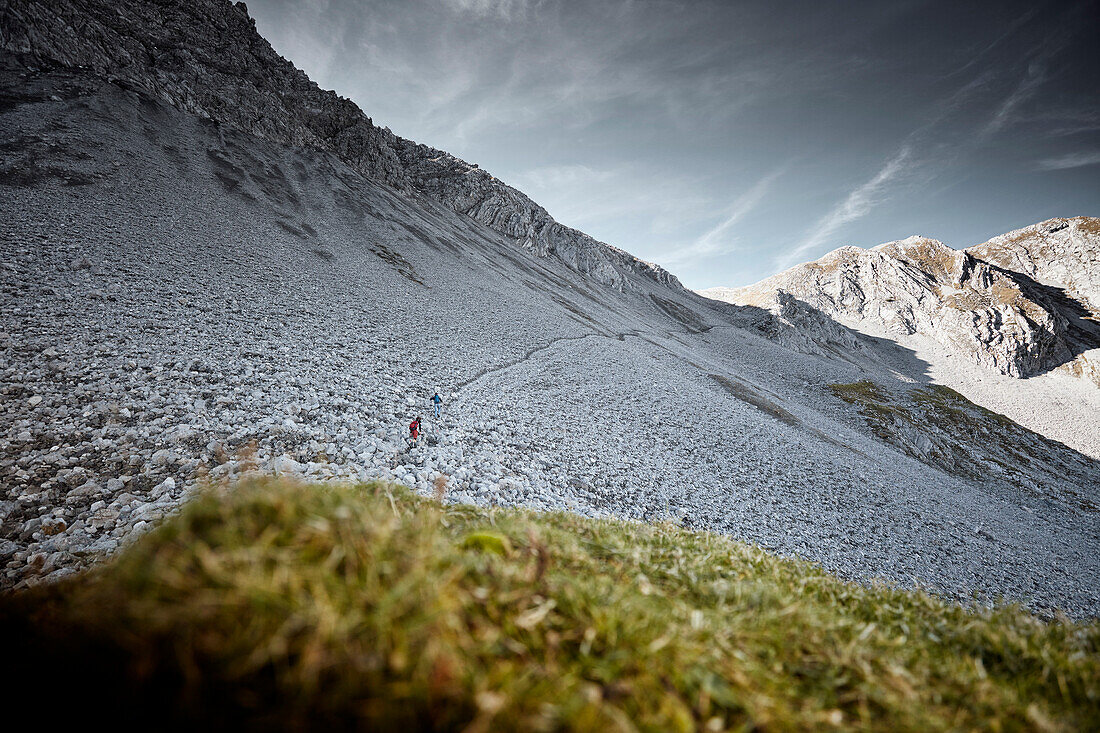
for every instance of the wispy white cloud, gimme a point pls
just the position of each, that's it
(1007, 111)
(1070, 160)
(629, 197)
(505, 9)
(561, 176)
(1069, 126)
(857, 204)
(1009, 31)
(549, 63)
(1065, 121)
(716, 240)
(667, 101)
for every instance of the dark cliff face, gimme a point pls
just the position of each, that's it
(205, 57)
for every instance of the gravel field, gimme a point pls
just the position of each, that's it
(182, 303)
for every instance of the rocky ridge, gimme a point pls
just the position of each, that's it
(206, 58)
(469, 190)
(971, 301)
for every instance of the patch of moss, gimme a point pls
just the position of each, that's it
(870, 397)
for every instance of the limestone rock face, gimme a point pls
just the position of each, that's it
(469, 190)
(1016, 321)
(1061, 253)
(206, 58)
(797, 326)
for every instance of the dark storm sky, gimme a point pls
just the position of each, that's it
(729, 140)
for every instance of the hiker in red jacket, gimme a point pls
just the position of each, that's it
(414, 429)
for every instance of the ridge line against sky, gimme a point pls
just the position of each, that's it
(726, 140)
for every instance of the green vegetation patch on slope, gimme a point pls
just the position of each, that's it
(285, 605)
(937, 425)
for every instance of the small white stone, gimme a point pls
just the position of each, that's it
(164, 487)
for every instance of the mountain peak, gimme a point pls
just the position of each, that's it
(1008, 304)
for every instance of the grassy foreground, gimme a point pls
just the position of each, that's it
(281, 605)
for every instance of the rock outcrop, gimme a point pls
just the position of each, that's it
(799, 327)
(973, 301)
(206, 58)
(1060, 253)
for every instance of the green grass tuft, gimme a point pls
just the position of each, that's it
(285, 605)
(488, 542)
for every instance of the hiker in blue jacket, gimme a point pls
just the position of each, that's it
(437, 402)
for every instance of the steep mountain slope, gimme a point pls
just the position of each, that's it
(205, 57)
(1021, 305)
(188, 298)
(1058, 262)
